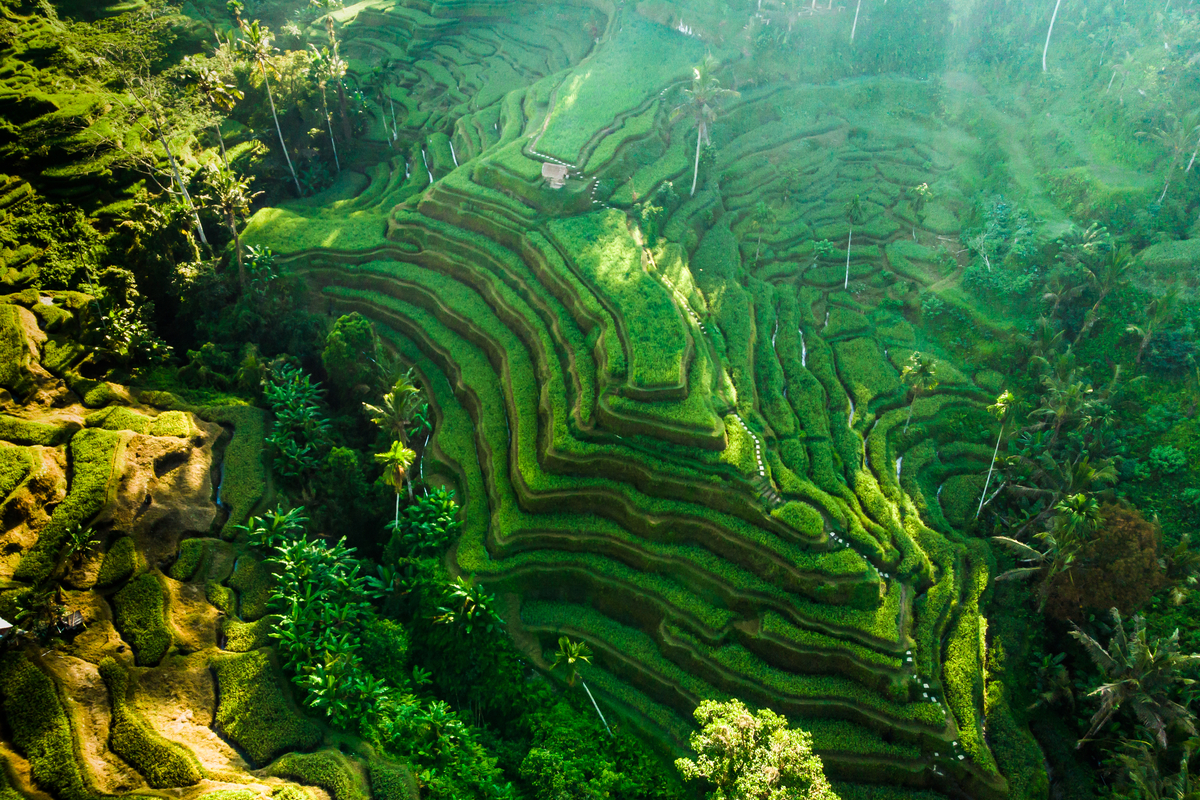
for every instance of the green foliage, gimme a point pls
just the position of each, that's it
(244, 476)
(171, 423)
(25, 432)
(392, 782)
(253, 582)
(352, 356)
(426, 526)
(139, 616)
(119, 562)
(753, 755)
(40, 728)
(191, 555)
(253, 710)
(327, 769)
(301, 435)
(161, 762)
(118, 418)
(242, 637)
(15, 465)
(93, 454)
(1167, 460)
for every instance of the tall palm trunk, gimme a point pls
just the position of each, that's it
(279, 130)
(1170, 174)
(329, 126)
(237, 248)
(221, 139)
(1193, 161)
(910, 410)
(988, 482)
(854, 27)
(849, 241)
(187, 198)
(596, 706)
(696, 168)
(1049, 31)
(341, 90)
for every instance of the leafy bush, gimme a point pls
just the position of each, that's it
(92, 453)
(191, 554)
(327, 769)
(253, 710)
(138, 615)
(427, 526)
(161, 762)
(392, 782)
(1167, 460)
(40, 728)
(119, 562)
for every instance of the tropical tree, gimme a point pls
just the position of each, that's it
(275, 528)
(763, 218)
(918, 196)
(570, 655)
(1158, 313)
(472, 607)
(256, 43)
(337, 71)
(1076, 518)
(399, 407)
(1142, 676)
(379, 80)
(854, 27)
(854, 215)
(396, 462)
(206, 82)
(323, 69)
(231, 196)
(1175, 137)
(701, 100)
(918, 375)
(1105, 278)
(753, 756)
(1001, 410)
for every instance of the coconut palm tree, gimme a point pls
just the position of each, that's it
(400, 407)
(918, 196)
(337, 71)
(221, 96)
(1076, 518)
(1142, 676)
(231, 196)
(378, 80)
(1158, 312)
(1000, 410)
(701, 100)
(918, 375)
(854, 215)
(396, 462)
(1175, 137)
(323, 70)
(1105, 278)
(256, 43)
(571, 654)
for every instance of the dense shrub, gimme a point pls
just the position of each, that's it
(161, 762)
(253, 710)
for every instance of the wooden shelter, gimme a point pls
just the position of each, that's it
(555, 174)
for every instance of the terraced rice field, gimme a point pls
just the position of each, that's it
(692, 453)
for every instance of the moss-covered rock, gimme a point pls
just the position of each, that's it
(254, 711)
(139, 616)
(119, 562)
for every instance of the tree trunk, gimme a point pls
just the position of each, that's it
(329, 126)
(854, 27)
(910, 410)
(237, 249)
(396, 522)
(279, 131)
(395, 129)
(595, 706)
(1193, 161)
(696, 169)
(221, 139)
(1167, 184)
(988, 482)
(341, 88)
(179, 182)
(849, 241)
(1049, 31)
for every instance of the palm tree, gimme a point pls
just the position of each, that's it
(1000, 410)
(323, 69)
(1175, 138)
(854, 27)
(854, 215)
(918, 196)
(572, 654)
(1158, 312)
(1106, 278)
(396, 462)
(1140, 675)
(701, 100)
(1075, 519)
(256, 43)
(918, 375)
(400, 407)
(337, 70)
(232, 198)
(763, 217)
(208, 83)
(380, 79)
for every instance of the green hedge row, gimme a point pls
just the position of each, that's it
(328, 769)
(253, 582)
(95, 460)
(40, 728)
(254, 711)
(120, 562)
(243, 473)
(242, 637)
(26, 432)
(139, 615)
(192, 553)
(161, 762)
(15, 465)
